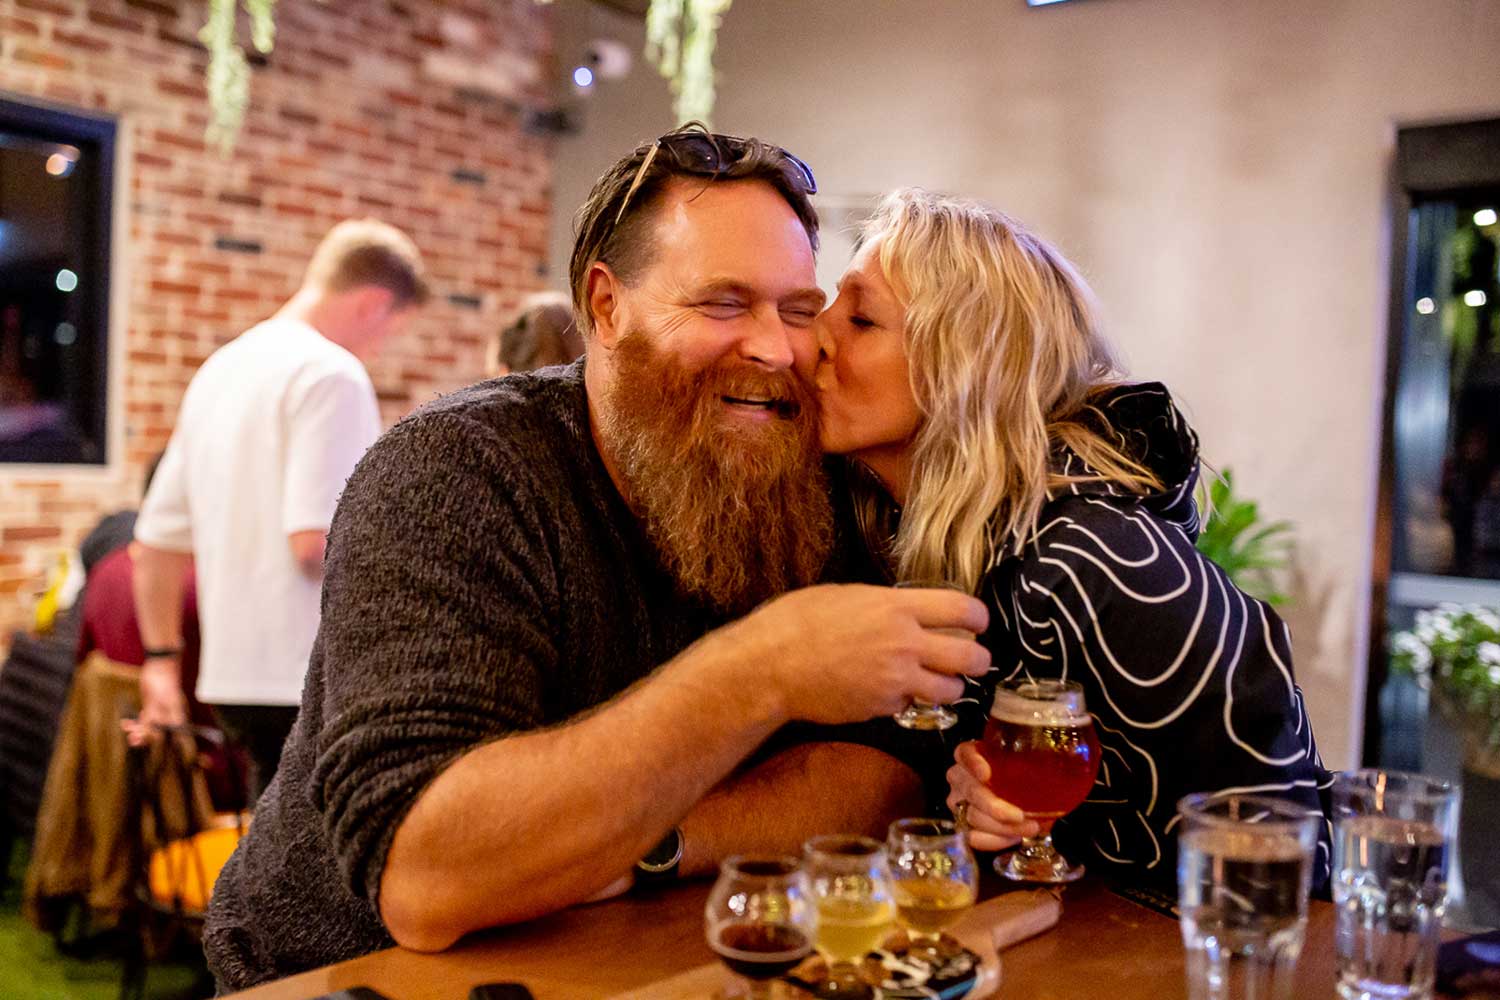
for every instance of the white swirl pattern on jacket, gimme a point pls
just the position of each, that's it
(1189, 679)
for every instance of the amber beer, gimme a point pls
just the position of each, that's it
(1042, 749)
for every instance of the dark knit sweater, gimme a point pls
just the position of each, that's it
(483, 577)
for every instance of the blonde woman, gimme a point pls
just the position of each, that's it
(995, 444)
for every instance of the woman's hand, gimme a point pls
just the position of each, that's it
(993, 823)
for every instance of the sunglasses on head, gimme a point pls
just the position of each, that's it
(708, 154)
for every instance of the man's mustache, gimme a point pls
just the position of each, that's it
(782, 392)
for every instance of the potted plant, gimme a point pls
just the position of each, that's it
(1453, 652)
(1252, 551)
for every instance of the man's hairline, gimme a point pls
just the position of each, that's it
(657, 204)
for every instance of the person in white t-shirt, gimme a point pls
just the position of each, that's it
(270, 428)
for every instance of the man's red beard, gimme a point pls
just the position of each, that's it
(737, 508)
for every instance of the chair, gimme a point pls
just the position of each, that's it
(33, 688)
(177, 846)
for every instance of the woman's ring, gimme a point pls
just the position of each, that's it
(961, 814)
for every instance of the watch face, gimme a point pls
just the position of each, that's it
(665, 854)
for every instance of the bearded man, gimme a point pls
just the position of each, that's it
(533, 684)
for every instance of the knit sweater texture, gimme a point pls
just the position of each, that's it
(484, 577)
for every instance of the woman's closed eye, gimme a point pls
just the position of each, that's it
(861, 322)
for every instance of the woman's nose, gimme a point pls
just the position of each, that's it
(827, 347)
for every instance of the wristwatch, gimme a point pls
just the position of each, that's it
(660, 863)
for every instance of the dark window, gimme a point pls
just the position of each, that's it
(1438, 534)
(56, 173)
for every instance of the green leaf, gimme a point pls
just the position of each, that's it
(1251, 551)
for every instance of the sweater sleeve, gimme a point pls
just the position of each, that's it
(437, 632)
(1189, 679)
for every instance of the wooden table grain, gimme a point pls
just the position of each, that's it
(1104, 946)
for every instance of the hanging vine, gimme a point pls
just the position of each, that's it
(680, 39)
(228, 70)
(681, 36)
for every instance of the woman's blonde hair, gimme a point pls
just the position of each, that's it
(1006, 361)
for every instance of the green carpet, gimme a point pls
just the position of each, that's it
(31, 968)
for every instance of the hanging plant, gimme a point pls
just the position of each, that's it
(680, 39)
(228, 71)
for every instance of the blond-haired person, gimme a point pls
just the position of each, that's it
(995, 443)
(270, 427)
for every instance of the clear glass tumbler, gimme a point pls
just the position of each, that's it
(1393, 835)
(1244, 867)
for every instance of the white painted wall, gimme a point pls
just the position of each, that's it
(1218, 168)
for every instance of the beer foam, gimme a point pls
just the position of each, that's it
(1019, 710)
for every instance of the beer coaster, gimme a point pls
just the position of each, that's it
(896, 973)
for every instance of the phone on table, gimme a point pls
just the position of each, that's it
(1470, 965)
(486, 991)
(500, 991)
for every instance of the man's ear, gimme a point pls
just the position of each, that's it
(372, 303)
(603, 303)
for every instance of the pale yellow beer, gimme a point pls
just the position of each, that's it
(931, 907)
(850, 928)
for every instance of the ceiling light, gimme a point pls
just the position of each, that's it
(66, 280)
(1475, 298)
(1485, 217)
(1426, 306)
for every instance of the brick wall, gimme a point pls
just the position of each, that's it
(347, 117)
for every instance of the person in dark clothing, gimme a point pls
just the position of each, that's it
(528, 676)
(962, 369)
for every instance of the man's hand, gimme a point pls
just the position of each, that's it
(162, 700)
(853, 652)
(994, 824)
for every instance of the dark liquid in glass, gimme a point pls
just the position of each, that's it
(761, 951)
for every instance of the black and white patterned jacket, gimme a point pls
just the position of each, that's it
(1189, 679)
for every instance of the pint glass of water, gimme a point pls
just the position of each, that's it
(1244, 867)
(1392, 837)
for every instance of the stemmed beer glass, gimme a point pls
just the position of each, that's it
(919, 714)
(760, 919)
(935, 881)
(1043, 754)
(851, 883)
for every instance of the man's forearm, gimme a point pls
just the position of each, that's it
(542, 820)
(807, 790)
(538, 821)
(158, 581)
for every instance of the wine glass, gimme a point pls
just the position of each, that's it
(1043, 754)
(935, 881)
(760, 919)
(851, 887)
(919, 714)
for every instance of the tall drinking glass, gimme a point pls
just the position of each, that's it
(760, 919)
(851, 885)
(1043, 756)
(1392, 837)
(919, 714)
(935, 881)
(1244, 866)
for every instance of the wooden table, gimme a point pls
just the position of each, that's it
(1104, 946)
